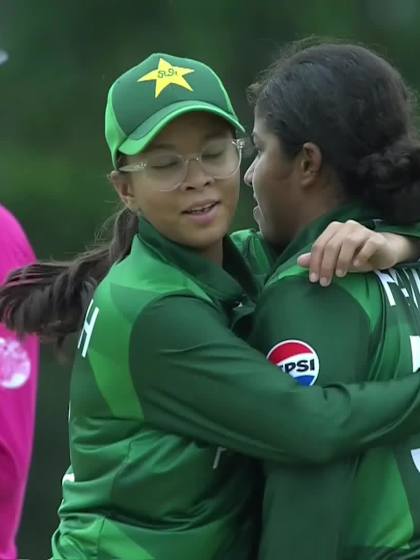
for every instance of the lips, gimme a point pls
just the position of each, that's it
(201, 208)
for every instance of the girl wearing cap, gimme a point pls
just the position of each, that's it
(315, 168)
(165, 399)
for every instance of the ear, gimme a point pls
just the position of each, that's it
(310, 164)
(122, 184)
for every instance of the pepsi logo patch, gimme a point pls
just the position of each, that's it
(296, 358)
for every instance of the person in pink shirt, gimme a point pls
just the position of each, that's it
(18, 383)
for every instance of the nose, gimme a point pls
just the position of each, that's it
(196, 177)
(249, 174)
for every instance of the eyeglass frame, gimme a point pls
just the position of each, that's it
(240, 143)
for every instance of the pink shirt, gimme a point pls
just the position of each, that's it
(18, 382)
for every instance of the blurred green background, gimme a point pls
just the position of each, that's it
(53, 159)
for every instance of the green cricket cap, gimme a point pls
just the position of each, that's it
(143, 100)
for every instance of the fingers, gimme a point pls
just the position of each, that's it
(304, 260)
(338, 247)
(317, 255)
(357, 251)
(337, 256)
(371, 247)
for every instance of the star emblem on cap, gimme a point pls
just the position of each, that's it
(166, 75)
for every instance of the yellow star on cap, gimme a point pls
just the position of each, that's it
(165, 75)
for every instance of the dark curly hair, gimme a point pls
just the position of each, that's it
(355, 106)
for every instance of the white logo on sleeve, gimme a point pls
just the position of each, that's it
(88, 327)
(415, 454)
(15, 365)
(296, 358)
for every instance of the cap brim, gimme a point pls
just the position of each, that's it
(144, 134)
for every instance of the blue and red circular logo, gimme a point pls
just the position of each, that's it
(296, 358)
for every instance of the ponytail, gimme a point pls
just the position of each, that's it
(50, 299)
(390, 180)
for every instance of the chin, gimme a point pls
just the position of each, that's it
(270, 235)
(203, 238)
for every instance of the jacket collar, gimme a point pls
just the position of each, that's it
(306, 237)
(229, 285)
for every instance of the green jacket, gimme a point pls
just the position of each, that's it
(363, 327)
(166, 400)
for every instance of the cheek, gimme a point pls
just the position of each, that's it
(157, 207)
(228, 193)
(232, 193)
(262, 181)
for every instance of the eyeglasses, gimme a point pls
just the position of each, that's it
(166, 171)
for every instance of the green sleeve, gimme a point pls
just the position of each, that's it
(329, 321)
(301, 499)
(196, 378)
(409, 230)
(305, 510)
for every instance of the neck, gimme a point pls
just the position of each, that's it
(213, 253)
(315, 209)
